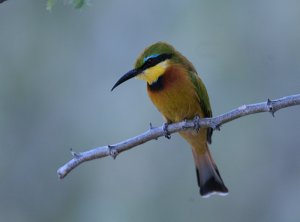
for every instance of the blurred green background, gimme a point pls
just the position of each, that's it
(56, 72)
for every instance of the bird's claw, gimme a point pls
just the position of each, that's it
(165, 129)
(196, 123)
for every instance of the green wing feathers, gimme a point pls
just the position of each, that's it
(203, 99)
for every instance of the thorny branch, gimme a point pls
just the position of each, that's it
(166, 130)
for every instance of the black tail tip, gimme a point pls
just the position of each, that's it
(212, 186)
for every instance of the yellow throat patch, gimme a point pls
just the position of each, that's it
(153, 73)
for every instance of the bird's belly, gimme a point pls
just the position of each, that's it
(176, 107)
(176, 104)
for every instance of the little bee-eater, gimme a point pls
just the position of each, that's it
(176, 90)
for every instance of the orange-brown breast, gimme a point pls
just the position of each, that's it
(177, 100)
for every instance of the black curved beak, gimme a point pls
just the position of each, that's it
(127, 76)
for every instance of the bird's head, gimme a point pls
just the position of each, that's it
(152, 63)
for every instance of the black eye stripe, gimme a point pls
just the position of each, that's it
(155, 60)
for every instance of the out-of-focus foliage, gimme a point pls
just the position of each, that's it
(50, 4)
(76, 3)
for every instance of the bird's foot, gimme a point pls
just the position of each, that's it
(185, 120)
(196, 123)
(165, 129)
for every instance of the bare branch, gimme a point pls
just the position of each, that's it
(155, 132)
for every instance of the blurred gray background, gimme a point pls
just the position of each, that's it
(56, 72)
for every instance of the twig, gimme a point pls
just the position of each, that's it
(155, 132)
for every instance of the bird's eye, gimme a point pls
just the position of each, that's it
(154, 59)
(150, 60)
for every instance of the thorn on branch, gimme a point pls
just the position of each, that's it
(214, 125)
(217, 127)
(112, 151)
(151, 127)
(75, 154)
(270, 107)
(166, 131)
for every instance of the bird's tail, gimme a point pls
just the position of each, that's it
(208, 176)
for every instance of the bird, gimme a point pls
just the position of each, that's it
(178, 93)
